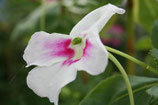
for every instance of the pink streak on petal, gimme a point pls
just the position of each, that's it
(64, 50)
(86, 52)
(60, 48)
(69, 62)
(87, 48)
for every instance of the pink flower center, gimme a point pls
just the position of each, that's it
(69, 61)
(61, 48)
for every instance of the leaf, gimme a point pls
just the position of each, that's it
(56, 21)
(154, 39)
(103, 2)
(113, 91)
(143, 44)
(31, 23)
(154, 35)
(153, 91)
(146, 12)
(154, 53)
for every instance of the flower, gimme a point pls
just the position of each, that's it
(116, 29)
(113, 36)
(58, 57)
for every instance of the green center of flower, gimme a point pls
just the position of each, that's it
(78, 45)
(76, 41)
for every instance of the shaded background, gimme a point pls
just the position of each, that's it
(19, 19)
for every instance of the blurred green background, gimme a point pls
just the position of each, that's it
(135, 33)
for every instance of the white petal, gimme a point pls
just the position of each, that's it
(95, 57)
(96, 19)
(45, 49)
(48, 81)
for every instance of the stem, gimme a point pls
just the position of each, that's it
(42, 21)
(119, 66)
(130, 36)
(132, 59)
(136, 10)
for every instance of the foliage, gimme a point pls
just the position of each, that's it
(19, 19)
(113, 91)
(146, 12)
(154, 36)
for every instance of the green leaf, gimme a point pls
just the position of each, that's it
(113, 91)
(103, 2)
(56, 21)
(143, 44)
(154, 53)
(154, 35)
(32, 23)
(153, 91)
(146, 12)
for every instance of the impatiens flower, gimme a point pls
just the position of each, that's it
(113, 36)
(58, 57)
(116, 29)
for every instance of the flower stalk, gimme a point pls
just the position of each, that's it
(119, 66)
(130, 36)
(146, 66)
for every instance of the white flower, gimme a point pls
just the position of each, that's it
(58, 57)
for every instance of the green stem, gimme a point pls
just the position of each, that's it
(119, 66)
(132, 59)
(130, 41)
(42, 21)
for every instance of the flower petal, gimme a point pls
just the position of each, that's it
(48, 81)
(45, 49)
(95, 57)
(96, 19)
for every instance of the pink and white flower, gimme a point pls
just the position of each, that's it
(58, 57)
